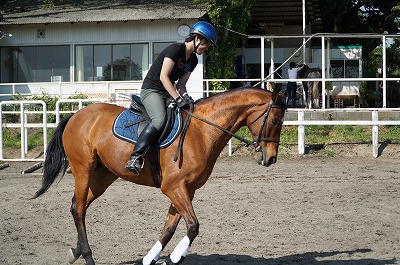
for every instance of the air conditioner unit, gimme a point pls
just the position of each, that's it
(57, 78)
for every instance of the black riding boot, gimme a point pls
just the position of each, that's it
(135, 163)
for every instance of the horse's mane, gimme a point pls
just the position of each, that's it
(235, 92)
(241, 98)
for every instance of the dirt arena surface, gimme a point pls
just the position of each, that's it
(316, 209)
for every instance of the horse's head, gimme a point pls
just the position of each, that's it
(265, 124)
(302, 72)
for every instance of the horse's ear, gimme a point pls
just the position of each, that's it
(275, 95)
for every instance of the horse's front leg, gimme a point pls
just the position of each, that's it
(181, 207)
(171, 223)
(181, 199)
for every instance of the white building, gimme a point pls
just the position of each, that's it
(106, 47)
(92, 48)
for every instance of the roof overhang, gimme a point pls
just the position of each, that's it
(272, 14)
(14, 13)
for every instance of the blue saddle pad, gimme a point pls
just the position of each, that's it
(130, 133)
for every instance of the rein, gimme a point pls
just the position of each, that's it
(265, 113)
(183, 134)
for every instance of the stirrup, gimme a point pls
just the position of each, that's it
(134, 165)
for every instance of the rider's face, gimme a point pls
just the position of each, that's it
(204, 46)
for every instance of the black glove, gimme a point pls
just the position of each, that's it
(188, 99)
(182, 104)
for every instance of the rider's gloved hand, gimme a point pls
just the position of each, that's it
(182, 104)
(188, 99)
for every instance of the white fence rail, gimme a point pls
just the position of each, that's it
(23, 114)
(23, 125)
(301, 122)
(373, 121)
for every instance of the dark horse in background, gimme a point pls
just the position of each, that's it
(312, 89)
(97, 158)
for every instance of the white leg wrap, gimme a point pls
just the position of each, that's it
(153, 254)
(180, 250)
(71, 257)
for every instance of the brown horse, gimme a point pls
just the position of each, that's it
(97, 158)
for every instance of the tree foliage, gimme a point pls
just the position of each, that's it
(48, 4)
(361, 16)
(392, 58)
(230, 18)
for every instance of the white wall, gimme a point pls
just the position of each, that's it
(104, 33)
(343, 53)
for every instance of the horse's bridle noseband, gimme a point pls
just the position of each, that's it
(255, 143)
(263, 127)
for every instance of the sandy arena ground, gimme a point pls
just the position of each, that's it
(341, 209)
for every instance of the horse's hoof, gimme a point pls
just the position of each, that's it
(179, 262)
(71, 256)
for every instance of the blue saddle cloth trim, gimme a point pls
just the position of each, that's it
(130, 134)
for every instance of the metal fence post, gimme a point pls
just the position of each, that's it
(375, 134)
(301, 133)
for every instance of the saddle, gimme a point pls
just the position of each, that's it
(129, 124)
(172, 127)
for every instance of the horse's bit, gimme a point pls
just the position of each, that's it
(260, 139)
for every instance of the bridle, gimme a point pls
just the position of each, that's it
(263, 127)
(255, 143)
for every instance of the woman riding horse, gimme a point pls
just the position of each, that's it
(176, 62)
(86, 143)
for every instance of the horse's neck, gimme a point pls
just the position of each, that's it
(228, 113)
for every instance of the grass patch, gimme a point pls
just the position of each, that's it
(12, 137)
(315, 135)
(330, 134)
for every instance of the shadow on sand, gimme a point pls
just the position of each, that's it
(308, 258)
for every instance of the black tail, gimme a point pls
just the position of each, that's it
(56, 160)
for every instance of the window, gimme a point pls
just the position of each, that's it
(84, 62)
(61, 63)
(345, 68)
(140, 60)
(111, 62)
(25, 57)
(43, 64)
(101, 61)
(158, 47)
(35, 63)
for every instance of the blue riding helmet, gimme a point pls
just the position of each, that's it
(206, 30)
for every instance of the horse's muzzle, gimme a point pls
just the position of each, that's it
(264, 160)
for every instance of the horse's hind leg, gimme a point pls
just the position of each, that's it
(78, 212)
(87, 189)
(315, 93)
(171, 223)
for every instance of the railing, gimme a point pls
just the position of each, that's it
(300, 121)
(24, 124)
(373, 121)
(112, 91)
